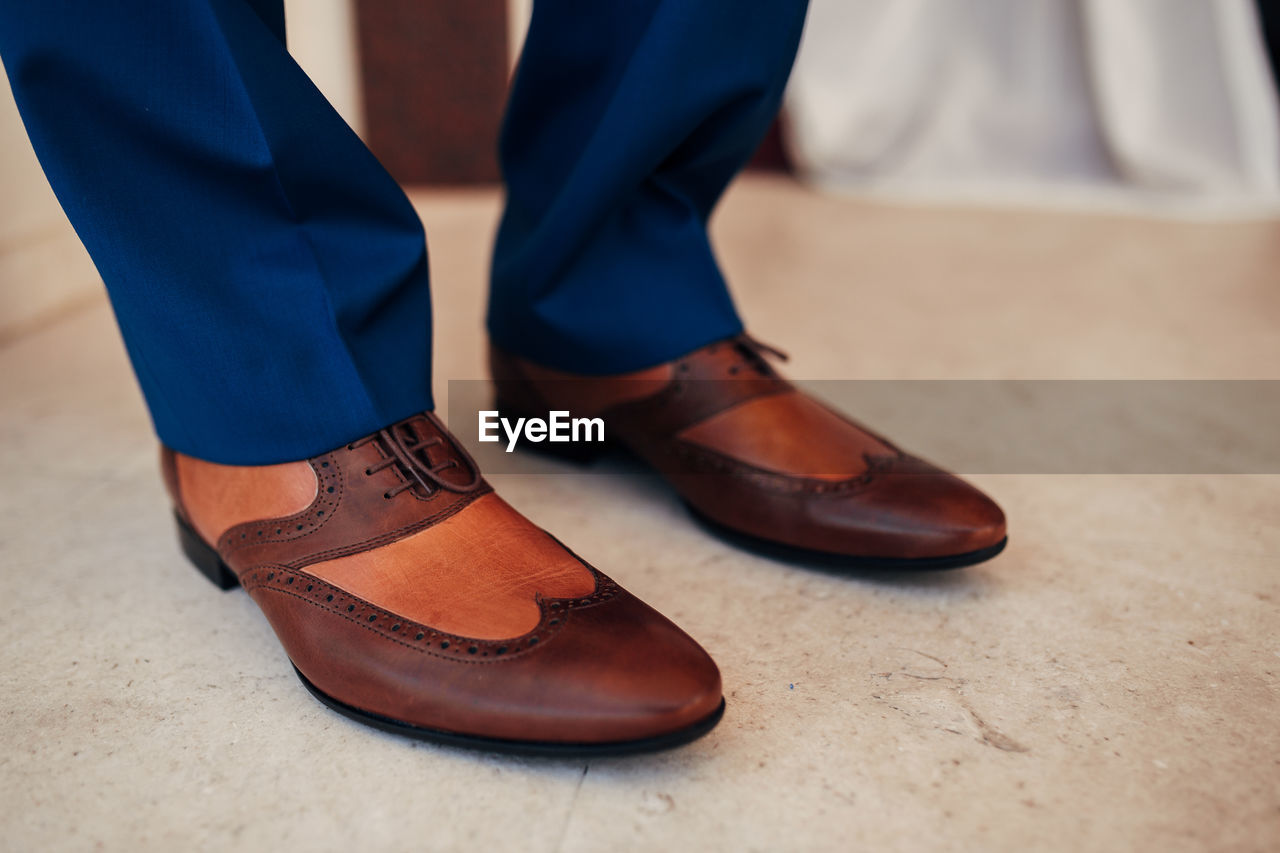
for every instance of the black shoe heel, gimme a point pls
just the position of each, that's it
(577, 452)
(204, 557)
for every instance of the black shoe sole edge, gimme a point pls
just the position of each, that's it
(529, 748)
(204, 556)
(827, 560)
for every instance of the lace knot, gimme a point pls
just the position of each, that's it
(406, 451)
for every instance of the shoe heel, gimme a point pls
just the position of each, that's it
(577, 452)
(204, 557)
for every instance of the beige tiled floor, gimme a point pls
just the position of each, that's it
(1110, 682)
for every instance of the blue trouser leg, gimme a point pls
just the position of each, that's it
(626, 122)
(269, 277)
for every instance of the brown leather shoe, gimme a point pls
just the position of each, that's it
(411, 597)
(766, 464)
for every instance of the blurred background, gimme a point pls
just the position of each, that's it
(1165, 107)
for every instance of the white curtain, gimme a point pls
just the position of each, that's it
(1162, 104)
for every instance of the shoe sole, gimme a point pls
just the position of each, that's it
(209, 564)
(809, 557)
(585, 456)
(546, 749)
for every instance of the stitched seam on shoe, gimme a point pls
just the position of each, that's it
(778, 482)
(469, 659)
(461, 641)
(606, 590)
(228, 544)
(391, 535)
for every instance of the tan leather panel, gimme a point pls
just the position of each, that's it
(218, 497)
(789, 433)
(478, 573)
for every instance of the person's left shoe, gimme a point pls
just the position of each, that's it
(764, 463)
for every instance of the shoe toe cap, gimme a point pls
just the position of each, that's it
(914, 512)
(620, 671)
(609, 670)
(922, 513)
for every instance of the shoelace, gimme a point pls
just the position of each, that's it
(753, 352)
(412, 462)
(760, 349)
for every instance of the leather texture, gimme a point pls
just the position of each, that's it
(404, 587)
(754, 454)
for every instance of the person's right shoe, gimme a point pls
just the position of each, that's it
(410, 597)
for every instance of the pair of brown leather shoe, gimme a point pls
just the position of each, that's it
(410, 596)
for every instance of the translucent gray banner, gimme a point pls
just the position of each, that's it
(988, 426)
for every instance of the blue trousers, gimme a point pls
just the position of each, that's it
(270, 278)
